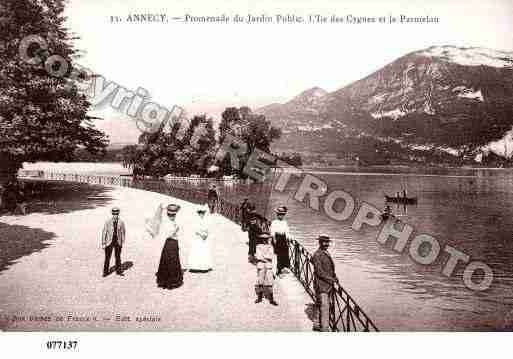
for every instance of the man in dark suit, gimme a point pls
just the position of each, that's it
(244, 206)
(324, 281)
(113, 237)
(254, 230)
(212, 198)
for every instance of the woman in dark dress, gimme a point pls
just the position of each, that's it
(170, 274)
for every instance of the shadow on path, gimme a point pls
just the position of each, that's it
(65, 197)
(124, 267)
(17, 241)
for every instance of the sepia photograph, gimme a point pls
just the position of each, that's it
(273, 166)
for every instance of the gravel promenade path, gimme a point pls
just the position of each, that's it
(51, 265)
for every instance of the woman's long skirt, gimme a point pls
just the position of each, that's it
(170, 274)
(281, 249)
(199, 257)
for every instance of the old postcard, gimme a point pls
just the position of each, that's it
(272, 166)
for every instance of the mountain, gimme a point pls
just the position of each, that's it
(440, 97)
(300, 112)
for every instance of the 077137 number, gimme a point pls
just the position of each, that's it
(62, 344)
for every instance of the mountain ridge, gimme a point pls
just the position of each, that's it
(445, 96)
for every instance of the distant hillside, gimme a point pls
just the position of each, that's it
(458, 99)
(119, 145)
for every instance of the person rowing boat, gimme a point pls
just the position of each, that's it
(387, 213)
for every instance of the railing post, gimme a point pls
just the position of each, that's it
(332, 311)
(296, 257)
(307, 265)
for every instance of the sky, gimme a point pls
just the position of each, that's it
(207, 67)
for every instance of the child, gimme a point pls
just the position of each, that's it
(265, 277)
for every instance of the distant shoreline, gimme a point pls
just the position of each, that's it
(403, 166)
(117, 169)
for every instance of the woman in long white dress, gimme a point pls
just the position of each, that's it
(200, 259)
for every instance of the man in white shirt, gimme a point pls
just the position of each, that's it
(281, 234)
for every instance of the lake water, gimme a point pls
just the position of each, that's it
(471, 210)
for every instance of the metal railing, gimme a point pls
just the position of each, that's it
(345, 314)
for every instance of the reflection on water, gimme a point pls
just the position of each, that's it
(471, 210)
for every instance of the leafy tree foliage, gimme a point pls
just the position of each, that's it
(42, 117)
(230, 122)
(193, 152)
(163, 153)
(253, 129)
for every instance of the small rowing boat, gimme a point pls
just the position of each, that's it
(401, 200)
(386, 216)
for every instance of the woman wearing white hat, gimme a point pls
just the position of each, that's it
(200, 259)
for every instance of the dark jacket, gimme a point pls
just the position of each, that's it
(244, 214)
(244, 209)
(324, 271)
(212, 195)
(253, 225)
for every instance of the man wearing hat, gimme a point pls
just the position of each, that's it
(244, 214)
(212, 198)
(281, 233)
(324, 281)
(264, 257)
(113, 237)
(254, 230)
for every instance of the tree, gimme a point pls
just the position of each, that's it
(163, 153)
(230, 120)
(257, 132)
(132, 159)
(42, 117)
(254, 129)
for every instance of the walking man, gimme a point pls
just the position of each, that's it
(212, 198)
(324, 281)
(254, 230)
(244, 206)
(113, 237)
